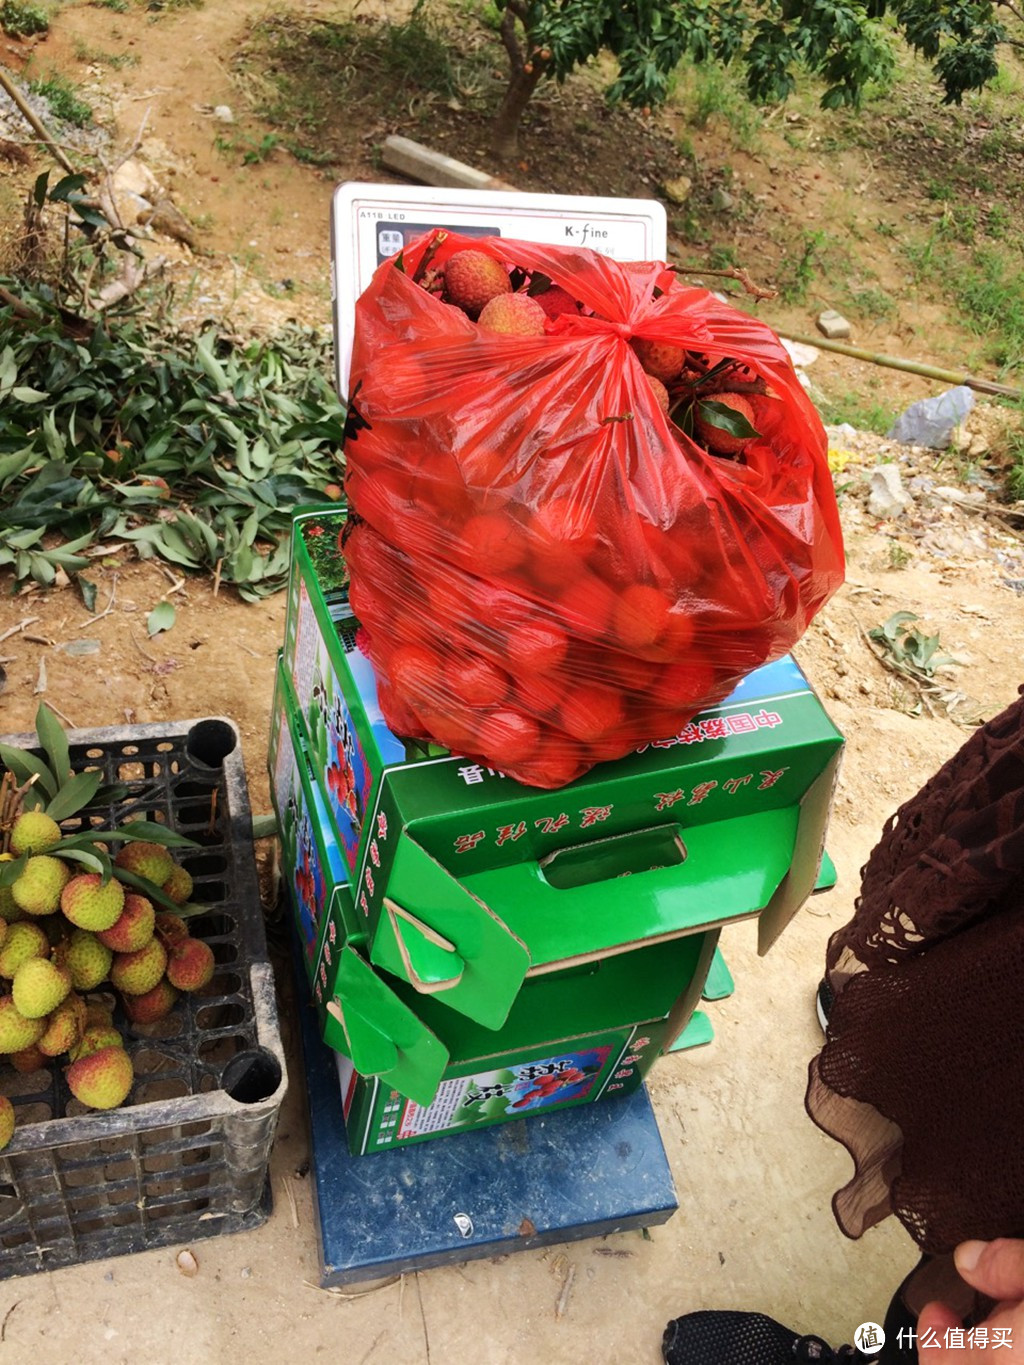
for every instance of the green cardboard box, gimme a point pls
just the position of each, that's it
(467, 882)
(573, 1035)
(626, 1011)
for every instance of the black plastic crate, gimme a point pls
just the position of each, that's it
(187, 1154)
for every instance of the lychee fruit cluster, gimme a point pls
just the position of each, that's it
(64, 934)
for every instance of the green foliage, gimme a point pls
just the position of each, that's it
(63, 100)
(194, 449)
(907, 649)
(847, 44)
(21, 19)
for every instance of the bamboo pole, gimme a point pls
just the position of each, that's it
(37, 124)
(970, 381)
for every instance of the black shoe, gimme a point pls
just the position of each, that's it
(725, 1338)
(824, 1000)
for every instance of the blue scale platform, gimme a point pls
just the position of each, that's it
(563, 1177)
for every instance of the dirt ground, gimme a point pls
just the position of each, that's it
(754, 1177)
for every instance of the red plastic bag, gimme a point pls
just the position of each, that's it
(548, 570)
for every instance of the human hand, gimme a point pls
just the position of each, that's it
(997, 1270)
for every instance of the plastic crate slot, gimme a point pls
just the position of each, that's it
(210, 742)
(147, 1062)
(220, 1016)
(14, 1240)
(169, 1027)
(223, 983)
(33, 1113)
(209, 925)
(129, 772)
(167, 1088)
(222, 1048)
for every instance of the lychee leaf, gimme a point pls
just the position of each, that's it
(75, 794)
(55, 743)
(93, 860)
(147, 888)
(725, 418)
(11, 871)
(162, 617)
(152, 833)
(25, 765)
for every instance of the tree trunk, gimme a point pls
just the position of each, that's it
(505, 128)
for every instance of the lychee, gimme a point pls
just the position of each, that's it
(23, 940)
(87, 959)
(95, 1037)
(178, 885)
(133, 929)
(170, 927)
(190, 964)
(505, 734)
(103, 1079)
(155, 1004)
(590, 711)
(6, 1121)
(138, 972)
(660, 392)
(91, 903)
(556, 301)
(37, 891)
(513, 315)
(39, 986)
(33, 832)
(148, 860)
(64, 1027)
(659, 358)
(716, 438)
(17, 1032)
(475, 682)
(641, 616)
(472, 279)
(29, 1059)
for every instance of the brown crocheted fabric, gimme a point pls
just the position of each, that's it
(922, 1074)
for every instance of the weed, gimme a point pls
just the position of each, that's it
(85, 53)
(251, 151)
(797, 272)
(714, 91)
(866, 414)
(21, 19)
(64, 102)
(121, 6)
(899, 555)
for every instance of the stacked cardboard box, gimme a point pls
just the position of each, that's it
(479, 950)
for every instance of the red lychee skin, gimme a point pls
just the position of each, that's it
(103, 1079)
(721, 442)
(134, 929)
(641, 616)
(155, 1004)
(660, 392)
(507, 736)
(556, 301)
(659, 358)
(190, 965)
(536, 647)
(513, 315)
(170, 928)
(478, 683)
(473, 279)
(492, 543)
(591, 711)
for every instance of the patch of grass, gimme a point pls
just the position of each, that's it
(116, 60)
(859, 410)
(799, 266)
(21, 19)
(899, 555)
(314, 66)
(712, 91)
(251, 151)
(63, 99)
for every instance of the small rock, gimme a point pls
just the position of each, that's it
(721, 200)
(802, 355)
(833, 325)
(222, 113)
(678, 190)
(888, 497)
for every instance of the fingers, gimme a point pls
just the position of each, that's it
(995, 1268)
(935, 1317)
